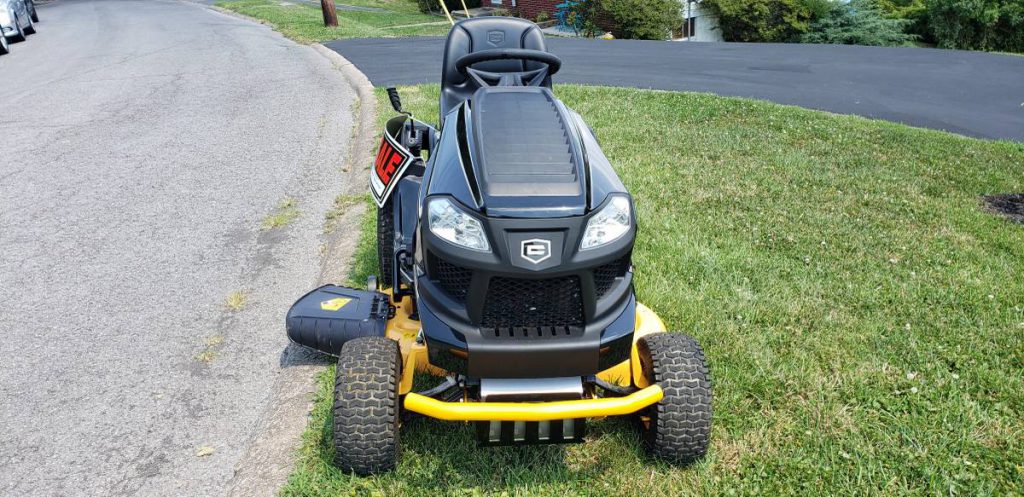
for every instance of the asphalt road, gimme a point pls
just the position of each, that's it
(142, 142)
(971, 93)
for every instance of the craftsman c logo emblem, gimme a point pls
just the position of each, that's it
(536, 250)
(496, 38)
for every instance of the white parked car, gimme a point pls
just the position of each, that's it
(17, 20)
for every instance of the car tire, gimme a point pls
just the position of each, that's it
(20, 37)
(678, 428)
(386, 243)
(35, 14)
(366, 409)
(4, 46)
(31, 28)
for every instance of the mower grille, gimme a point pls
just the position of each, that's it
(518, 303)
(453, 279)
(604, 276)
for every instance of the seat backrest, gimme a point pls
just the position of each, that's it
(485, 33)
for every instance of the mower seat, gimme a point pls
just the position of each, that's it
(485, 33)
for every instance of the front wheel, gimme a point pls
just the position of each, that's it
(366, 405)
(678, 428)
(4, 47)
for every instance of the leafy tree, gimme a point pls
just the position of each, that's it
(766, 20)
(901, 9)
(914, 11)
(977, 24)
(859, 22)
(644, 19)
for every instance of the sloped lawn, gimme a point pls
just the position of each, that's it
(863, 313)
(304, 22)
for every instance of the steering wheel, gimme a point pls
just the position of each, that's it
(511, 78)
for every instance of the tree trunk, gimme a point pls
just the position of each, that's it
(330, 14)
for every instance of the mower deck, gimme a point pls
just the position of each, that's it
(330, 315)
(402, 328)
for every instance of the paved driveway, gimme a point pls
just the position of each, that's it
(975, 94)
(143, 142)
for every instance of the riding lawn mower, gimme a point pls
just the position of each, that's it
(505, 239)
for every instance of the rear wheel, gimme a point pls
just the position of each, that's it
(4, 47)
(678, 428)
(35, 15)
(31, 28)
(366, 405)
(386, 243)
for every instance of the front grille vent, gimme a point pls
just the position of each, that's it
(524, 303)
(605, 275)
(534, 333)
(453, 279)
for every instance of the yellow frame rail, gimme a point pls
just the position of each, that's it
(533, 411)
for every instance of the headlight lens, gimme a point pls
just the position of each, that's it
(451, 223)
(608, 225)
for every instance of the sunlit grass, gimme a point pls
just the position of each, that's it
(304, 23)
(862, 314)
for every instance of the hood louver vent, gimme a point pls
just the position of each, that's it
(523, 149)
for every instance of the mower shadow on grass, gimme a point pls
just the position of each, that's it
(449, 454)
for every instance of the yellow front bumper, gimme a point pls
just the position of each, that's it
(533, 411)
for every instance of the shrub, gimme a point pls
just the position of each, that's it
(543, 16)
(977, 24)
(643, 19)
(859, 22)
(582, 17)
(766, 20)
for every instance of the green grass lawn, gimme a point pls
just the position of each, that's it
(304, 22)
(862, 314)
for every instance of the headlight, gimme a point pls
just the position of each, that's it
(451, 223)
(608, 225)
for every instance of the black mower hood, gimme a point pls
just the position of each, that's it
(523, 154)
